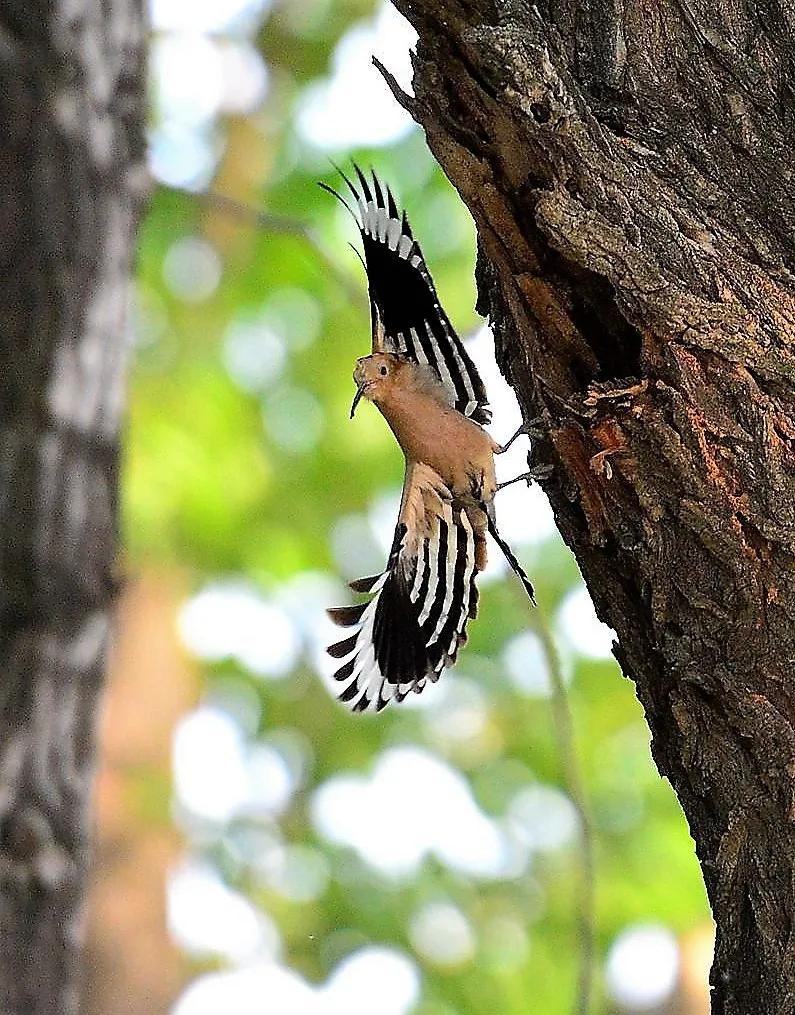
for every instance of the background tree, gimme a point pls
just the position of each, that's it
(71, 120)
(628, 169)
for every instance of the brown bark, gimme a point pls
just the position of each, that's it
(629, 168)
(71, 149)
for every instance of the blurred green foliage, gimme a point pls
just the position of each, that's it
(240, 463)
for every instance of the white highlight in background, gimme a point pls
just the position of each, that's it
(192, 269)
(526, 663)
(413, 805)
(299, 873)
(354, 107)
(372, 979)
(458, 715)
(442, 934)
(254, 354)
(523, 514)
(206, 917)
(293, 418)
(211, 16)
(188, 78)
(543, 818)
(642, 967)
(198, 74)
(229, 619)
(583, 630)
(218, 776)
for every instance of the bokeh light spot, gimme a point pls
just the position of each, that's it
(206, 15)
(411, 806)
(543, 817)
(442, 935)
(254, 354)
(206, 917)
(192, 269)
(526, 663)
(293, 418)
(642, 967)
(581, 627)
(372, 979)
(231, 620)
(217, 775)
(355, 107)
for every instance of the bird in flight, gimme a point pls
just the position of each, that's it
(421, 378)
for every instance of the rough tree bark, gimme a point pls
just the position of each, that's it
(71, 149)
(629, 168)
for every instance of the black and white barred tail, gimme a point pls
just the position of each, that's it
(415, 622)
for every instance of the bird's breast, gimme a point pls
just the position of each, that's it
(455, 447)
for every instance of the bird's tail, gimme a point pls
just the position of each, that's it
(510, 556)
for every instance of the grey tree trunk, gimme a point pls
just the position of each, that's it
(71, 179)
(629, 166)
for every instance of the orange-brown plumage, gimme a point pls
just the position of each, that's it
(426, 427)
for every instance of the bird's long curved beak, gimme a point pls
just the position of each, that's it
(357, 397)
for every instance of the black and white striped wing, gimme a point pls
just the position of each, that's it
(414, 624)
(407, 315)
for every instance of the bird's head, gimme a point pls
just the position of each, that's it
(375, 375)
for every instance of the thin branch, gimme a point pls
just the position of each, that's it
(408, 102)
(572, 777)
(275, 223)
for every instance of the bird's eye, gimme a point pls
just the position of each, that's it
(383, 371)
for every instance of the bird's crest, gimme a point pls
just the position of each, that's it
(407, 317)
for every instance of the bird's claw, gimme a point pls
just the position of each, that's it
(530, 428)
(533, 475)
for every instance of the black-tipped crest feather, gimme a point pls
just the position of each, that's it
(401, 288)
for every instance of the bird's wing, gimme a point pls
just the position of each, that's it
(416, 621)
(407, 317)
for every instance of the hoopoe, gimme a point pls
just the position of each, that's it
(421, 378)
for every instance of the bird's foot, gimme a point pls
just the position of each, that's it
(534, 475)
(531, 428)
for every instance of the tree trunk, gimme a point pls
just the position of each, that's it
(71, 175)
(629, 168)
